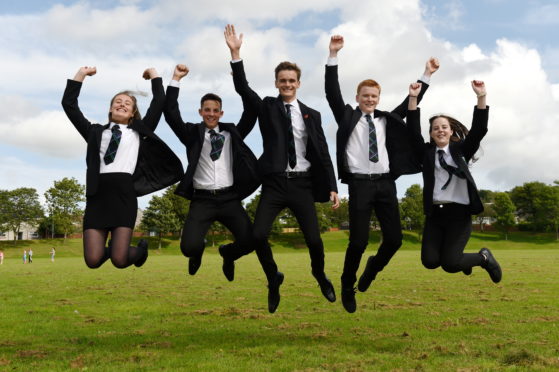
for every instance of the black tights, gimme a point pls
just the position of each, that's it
(119, 250)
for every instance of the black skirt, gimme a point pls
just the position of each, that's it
(113, 205)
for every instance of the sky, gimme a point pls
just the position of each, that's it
(511, 45)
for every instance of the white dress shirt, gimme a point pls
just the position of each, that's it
(457, 189)
(212, 175)
(300, 136)
(127, 153)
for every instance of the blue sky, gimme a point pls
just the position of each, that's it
(512, 45)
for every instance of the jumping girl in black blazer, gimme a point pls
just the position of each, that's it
(125, 159)
(450, 195)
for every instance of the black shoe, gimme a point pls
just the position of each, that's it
(273, 292)
(143, 245)
(228, 265)
(467, 271)
(369, 274)
(348, 299)
(491, 265)
(194, 264)
(327, 289)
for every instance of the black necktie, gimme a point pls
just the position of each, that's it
(291, 156)
(373, 149)
(110, 154)
(449, 168)
(217, 141)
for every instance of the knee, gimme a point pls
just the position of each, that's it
(430, 263)
(394, 241)
(357, 246)
(191, 248)
(119, 262)
(451, 267)
(93, 264)
(259, 236)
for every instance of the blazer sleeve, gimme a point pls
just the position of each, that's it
(173, 115)
(476, 134)
(251, 100)
(333, 92)
(325, 155)
(72, 109)
(153, 114)
(402, 109)
(414, 129)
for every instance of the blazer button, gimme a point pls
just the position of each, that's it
(440, 205)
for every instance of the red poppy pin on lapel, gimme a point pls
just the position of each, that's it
(306, 116)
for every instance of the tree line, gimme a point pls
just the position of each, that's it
(533, 206)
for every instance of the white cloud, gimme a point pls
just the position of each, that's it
(385, 40)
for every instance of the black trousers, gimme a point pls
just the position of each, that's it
(279, 192)
(446, 232)
(225, 208)
(364, 196)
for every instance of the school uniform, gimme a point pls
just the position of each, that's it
(143, 162)
(215, 183)
(449, 200)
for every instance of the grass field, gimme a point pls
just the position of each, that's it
(63, 316)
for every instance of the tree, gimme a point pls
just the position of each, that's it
(412, 208)
(180, 205)
(17, 207)
(160, 217)
(63, 203)
(537, 203)
(504, 212)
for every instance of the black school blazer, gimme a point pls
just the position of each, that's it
(157, 167)
(398, 140)
(245, 173)
(273, 122)
(461, 152)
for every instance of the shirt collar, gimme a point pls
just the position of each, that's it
(445, 149)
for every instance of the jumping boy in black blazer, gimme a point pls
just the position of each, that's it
(373, 150)
(295, 168)
(221, 173)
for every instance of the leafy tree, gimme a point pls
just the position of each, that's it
(504, 212)
(180, 205)
(537, 203)
(488, 211)
(17, 207)
(160, 217)
(63, 204)
(412, 208)
(340, 215)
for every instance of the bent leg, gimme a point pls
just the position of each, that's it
(94, 251)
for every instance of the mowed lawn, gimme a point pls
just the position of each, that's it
(63, 316)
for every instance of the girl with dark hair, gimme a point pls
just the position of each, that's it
(450, 196)
(125, 159)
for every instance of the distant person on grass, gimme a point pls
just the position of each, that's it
(125, 159)
(1, 257)
(52, 254)
(450, 195)
(30, 255)
(25, 256)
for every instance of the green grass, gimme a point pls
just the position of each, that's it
(63, 316)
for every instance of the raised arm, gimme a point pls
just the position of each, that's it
(251, 100)
(70, 100)
(413, 121)
(431, 66)
(479, 121)
(331, 83)
(153, 114)
(171, 111)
